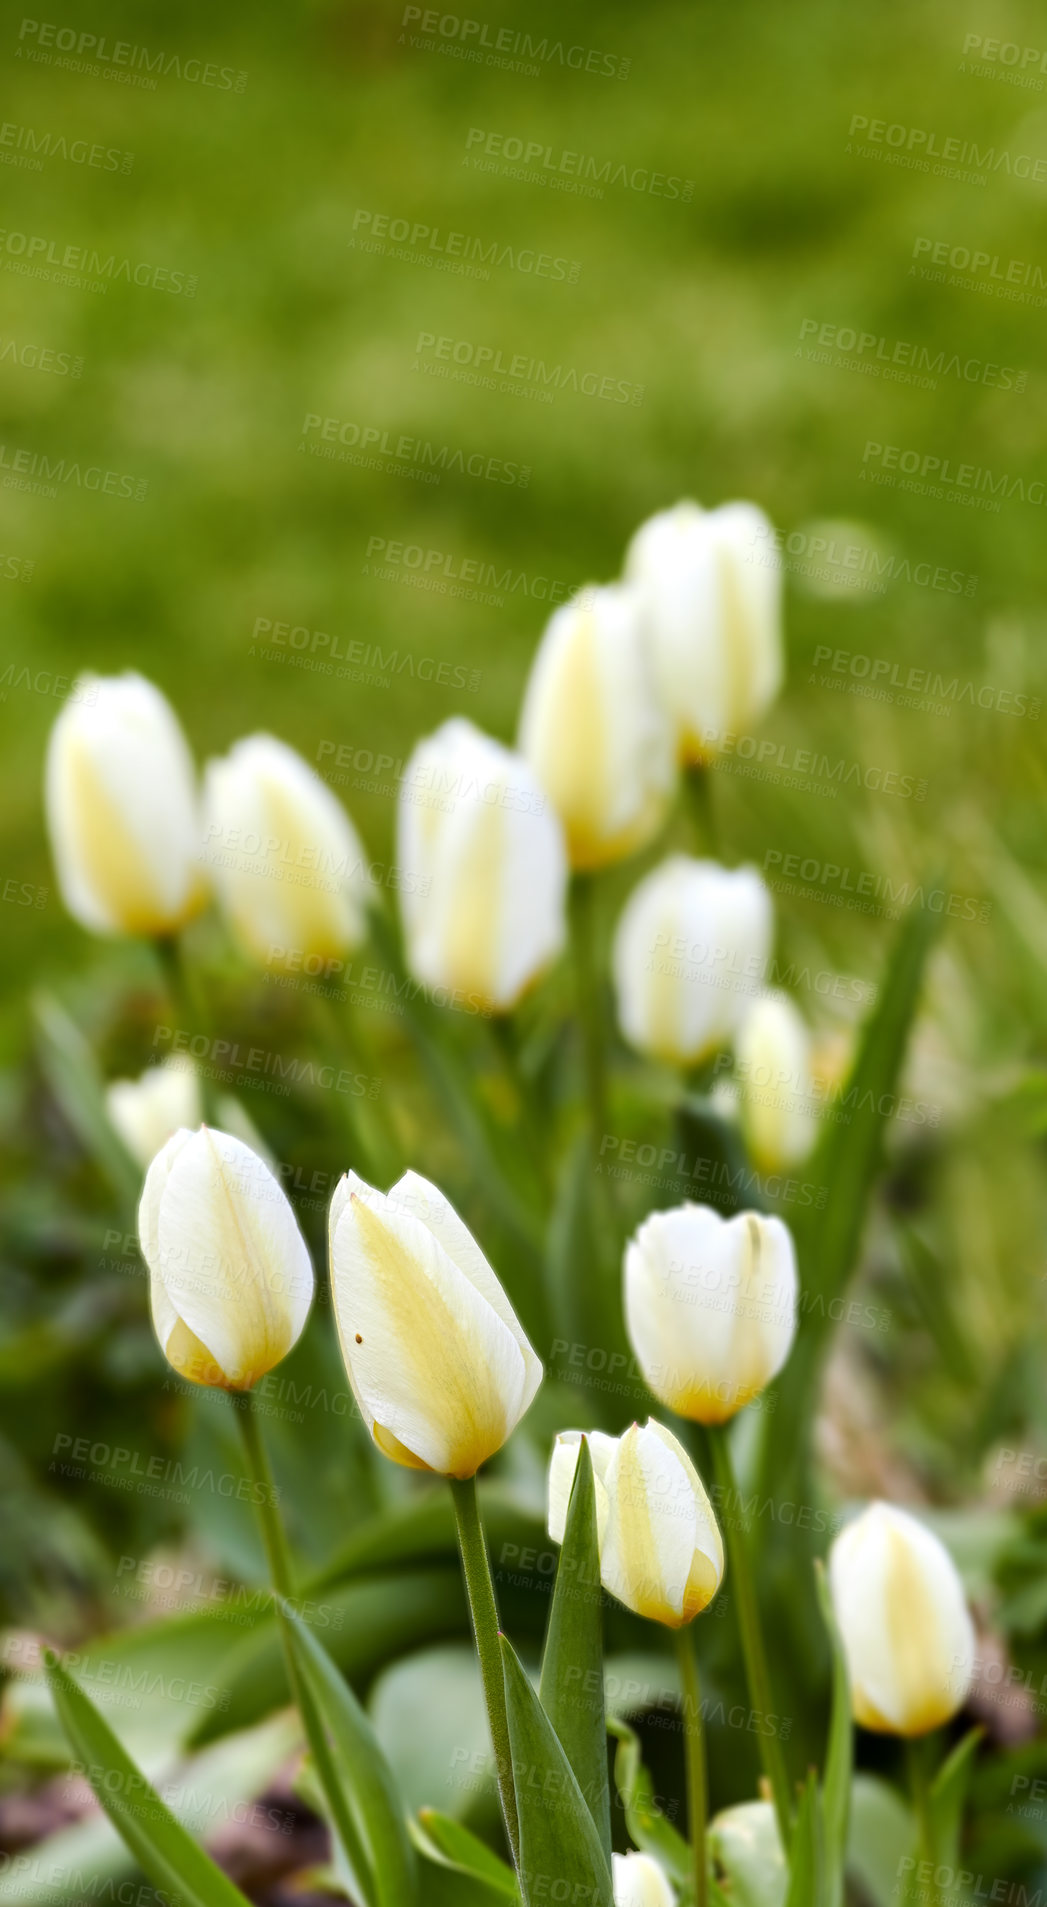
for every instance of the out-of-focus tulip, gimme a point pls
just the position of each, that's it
(562, 1465)
(435, 1354)
(773, 1059)
(230, 1278)
(903, 1619)
(483, 868)
(710, 587)
(593, 729)
(746, 1842)
(122, 809)
(147, 1110)
(640, 1882)
(692, 940)
(661, 1552)
(710, 1306)
(288, 863)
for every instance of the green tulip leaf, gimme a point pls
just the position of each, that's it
(807, 1876)
(571, 1686)
(559, 1844)
(648, 1826)
(880, 1838)
(468, 1854)
(948, 1793)
(839, 1755)
(357, 1781)
(159, 1843)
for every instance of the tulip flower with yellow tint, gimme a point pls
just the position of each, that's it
(593, 729)
(640, 1882)
(483, 868)
(436, 1357)
(710, 1307)
(660, 1548)
(903, 1620)
(710, 588)
(230, 1282)
(288, 863)
(772, 1051)
(692, 940)
(122, 813)
(147, 1110)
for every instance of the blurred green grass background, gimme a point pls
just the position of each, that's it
(703, 304)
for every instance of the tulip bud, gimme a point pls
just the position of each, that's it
(147, 1110)
(562, 1465)
(287, 860)
(690, 940)
(661, 1552)
(483, 868)
(122, 813)
(710, 587)
(436, 1357)
(230, 1278)
(903, 1620)
(710, 1307)
(593, 730)
(772, 1051)
(639, 1882)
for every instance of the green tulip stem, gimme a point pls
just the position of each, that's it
(741, 1578)
(694, 1750)
(187, 1005)
(281, 1575)
(696, 784)
(916, 1762)
(484, 1614)
(375, 1158)
(590, 1017)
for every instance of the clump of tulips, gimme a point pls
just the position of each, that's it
(498, 849)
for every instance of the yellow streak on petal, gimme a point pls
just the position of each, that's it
(447, 1371)
(114, 865)
(472, 949)
(914, 1635)
(192, 1359)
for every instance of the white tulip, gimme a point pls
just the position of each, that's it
(906, 1631)
(711, 602)
(692, 942)
(710, 1307)
(230, 1278)
(483, 868)
(122, 813)
(640, 1882)
(562, 1465)
(147, 1110)
(288, 863)
(436, 1357)
(593, 730)
(661, 1552)
(773, 1060)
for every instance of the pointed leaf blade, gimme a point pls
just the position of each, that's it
(559, 1844)
(571, 1689)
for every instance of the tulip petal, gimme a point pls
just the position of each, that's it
(562, 1465)
(221, 1238)
(660, 1530)
(431, 1361)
